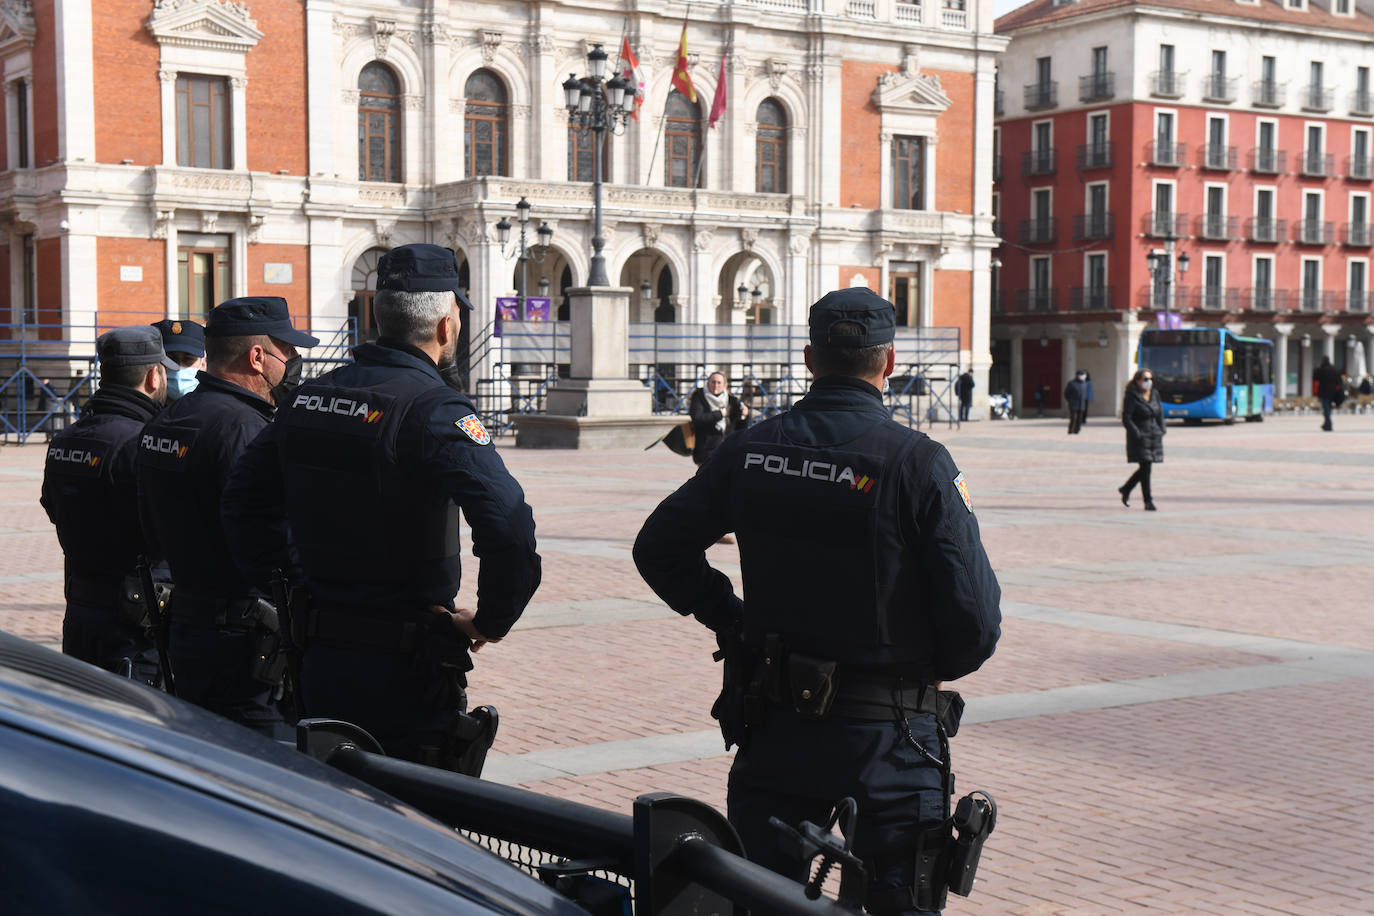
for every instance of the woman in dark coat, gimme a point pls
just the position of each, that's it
(715, 414)
(1143, 416)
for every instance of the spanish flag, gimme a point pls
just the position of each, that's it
(682, 79)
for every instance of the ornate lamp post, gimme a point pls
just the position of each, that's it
(1162, 264)
(598, 105)
(545, 233)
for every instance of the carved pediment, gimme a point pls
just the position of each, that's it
(908, 91)
(16, 23)
(221, 25)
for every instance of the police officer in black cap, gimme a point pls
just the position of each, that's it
(184, 341)
(867, 586)
(90, 492)
(370, 464)
(218, 614)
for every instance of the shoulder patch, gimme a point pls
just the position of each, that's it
(473, 429)
(962, 487)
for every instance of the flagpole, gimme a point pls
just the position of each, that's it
(701, 158)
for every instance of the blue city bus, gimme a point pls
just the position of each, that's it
(1209, 373)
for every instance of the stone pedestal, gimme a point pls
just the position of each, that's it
(600, 406)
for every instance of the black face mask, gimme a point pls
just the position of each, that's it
(451, 372)
(290, 380)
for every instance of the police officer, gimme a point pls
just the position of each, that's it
(867, 586)
(184, 341)
(370, 464)
(219, 621)
(90, 492)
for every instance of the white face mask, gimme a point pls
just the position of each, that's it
(1146, 384)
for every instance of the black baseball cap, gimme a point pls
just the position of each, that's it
(875, 316)
(420, 268)
(253, 315)
(181, 336)
(136, 345)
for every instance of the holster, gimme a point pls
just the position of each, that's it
(470, 737)
(268, 663)
(740, 703)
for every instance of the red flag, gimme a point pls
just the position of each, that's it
(718, 103)
(682, 79)
(633, 74)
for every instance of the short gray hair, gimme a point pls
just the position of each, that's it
(411, 317)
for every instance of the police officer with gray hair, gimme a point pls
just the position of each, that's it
(370, 465)
(222, 621)
(90, 492)
(867, 586)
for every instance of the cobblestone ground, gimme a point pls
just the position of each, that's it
(1177, 719)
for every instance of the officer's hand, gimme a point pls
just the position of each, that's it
(462, 619)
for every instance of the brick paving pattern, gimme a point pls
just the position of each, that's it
(1177, 720)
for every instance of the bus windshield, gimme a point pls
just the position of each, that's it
(1182, 363)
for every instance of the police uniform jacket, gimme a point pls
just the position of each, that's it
(185, 457)
(369, 465)
(90, 490)
(856, 536)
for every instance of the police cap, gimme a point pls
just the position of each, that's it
(181, 336)
(420, 268)
(254, 315)
(136, 345)
(875, 317)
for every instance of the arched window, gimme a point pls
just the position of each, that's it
(379, 124)
(364, 285)
(682, 140)
(485, 131)
(770, 149)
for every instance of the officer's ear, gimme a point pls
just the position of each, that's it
(891, 361)
(806, 355)
(154, 378)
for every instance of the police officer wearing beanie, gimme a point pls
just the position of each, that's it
(184, 341)
(370, 464)
(185, 458)
(90, 492)
(867, 586)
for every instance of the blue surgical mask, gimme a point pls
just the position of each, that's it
(181, 382)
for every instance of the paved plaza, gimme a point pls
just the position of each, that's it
(1177, 720)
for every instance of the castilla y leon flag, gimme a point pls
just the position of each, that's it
(682, 79)
(718, 103)
(633, 73)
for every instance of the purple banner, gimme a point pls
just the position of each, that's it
(537, 308)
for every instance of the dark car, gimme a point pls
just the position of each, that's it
(115, 798)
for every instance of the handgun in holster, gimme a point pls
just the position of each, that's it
(268, 663)
(470, 736)
(740, 703)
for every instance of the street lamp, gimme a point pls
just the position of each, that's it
(1162, 263)
(545, 233)
(597, 105)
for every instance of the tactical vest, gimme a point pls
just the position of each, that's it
(363, 522)
(824, 537)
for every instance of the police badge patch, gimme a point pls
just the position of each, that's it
(474, 430)
(963, 491)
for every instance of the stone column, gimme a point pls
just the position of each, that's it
(1068, 357)
(1305, 380)
(1282, 331)
(1329, 341)
(1018, 369)
(1369, 350)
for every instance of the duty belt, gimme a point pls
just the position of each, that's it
(860, 697)
(101, 591)
(217, 612)
(351, 630)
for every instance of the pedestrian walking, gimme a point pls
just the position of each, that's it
(1143, 416)
(1076, 400)
(868, 587)
(963, 387)
(1330, 384)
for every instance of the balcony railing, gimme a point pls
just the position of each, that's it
(1038, 231)
(1039, 162)
(1317, 300)
(1218, 156)
(1217, 226)
(1035, 300)
(1214, 299)
(1362, 103)
(1358, 168)
(1167, 83)
(1096, 155)
(1096, 86)
(1218, 87)
(1266, 229)
(1268, 160)
(1167, 154)
(1092, 226)
(1315, 98)
(1163, 224)
(1268, 93)
(1317, 164)
(1357, 300)
(1092, 298)
(1313, 232)
(1357, 235)
(1265, 299)
(1041, 95)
